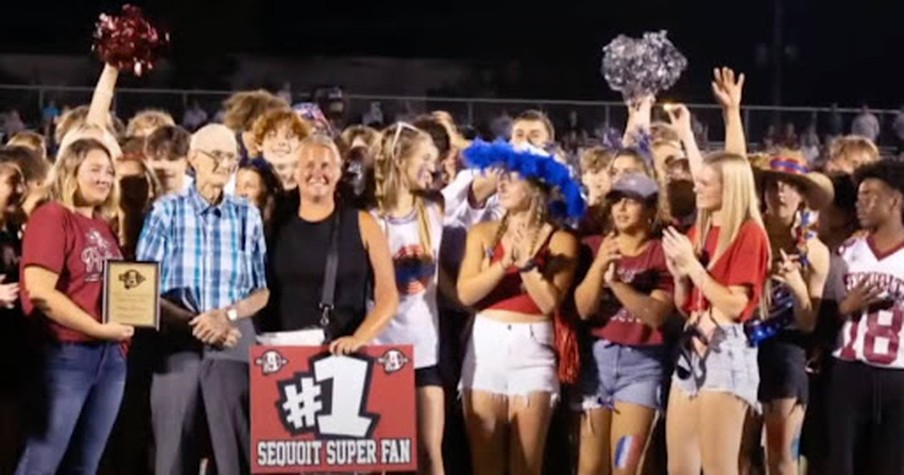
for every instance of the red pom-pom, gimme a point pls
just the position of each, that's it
(129, 42)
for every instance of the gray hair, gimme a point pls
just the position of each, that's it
(212, 132)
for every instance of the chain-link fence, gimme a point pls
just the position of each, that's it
(478, 113)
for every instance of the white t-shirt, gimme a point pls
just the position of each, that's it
(874, 337)
(417, 320)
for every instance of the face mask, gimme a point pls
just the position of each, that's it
(135, 190)
(682, 199)
(354, 174)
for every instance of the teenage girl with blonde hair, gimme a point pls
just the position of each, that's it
(412, 219)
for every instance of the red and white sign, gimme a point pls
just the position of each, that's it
(315, 412)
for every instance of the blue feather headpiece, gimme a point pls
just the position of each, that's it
(531, 164)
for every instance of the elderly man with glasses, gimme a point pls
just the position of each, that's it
(211, 249)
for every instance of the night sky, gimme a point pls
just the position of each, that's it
(835, 53)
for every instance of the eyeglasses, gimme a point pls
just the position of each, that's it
(221, 157)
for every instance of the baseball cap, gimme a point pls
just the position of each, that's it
(634, 185)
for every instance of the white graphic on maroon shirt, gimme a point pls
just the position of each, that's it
(97, 251)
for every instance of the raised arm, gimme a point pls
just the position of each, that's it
(102, 98)
(466, 198)
(639, 119)
(728, 91)
(680, 117)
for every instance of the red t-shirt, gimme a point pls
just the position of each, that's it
(74, 247)
(745, 262)
(645, 273)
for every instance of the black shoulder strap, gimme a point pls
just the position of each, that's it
(329, 276)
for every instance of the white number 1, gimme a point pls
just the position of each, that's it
(349, 376)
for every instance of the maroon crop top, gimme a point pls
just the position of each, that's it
(510, 294)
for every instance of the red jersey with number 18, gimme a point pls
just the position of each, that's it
(875, 335)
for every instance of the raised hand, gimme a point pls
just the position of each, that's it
(680, 118)
(727, 88)
(643, 104)
(484, 186)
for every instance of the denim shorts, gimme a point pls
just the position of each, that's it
(510, 359)
(612, 373)
(728, 365)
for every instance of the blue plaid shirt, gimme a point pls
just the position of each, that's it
(215, 253)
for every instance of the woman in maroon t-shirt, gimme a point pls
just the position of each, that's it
(719, 272)
(64, 249)
(627, 295)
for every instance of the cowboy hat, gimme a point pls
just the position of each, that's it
(791, 166)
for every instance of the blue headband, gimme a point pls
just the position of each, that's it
(531, 165)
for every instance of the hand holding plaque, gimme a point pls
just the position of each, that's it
(132, 293)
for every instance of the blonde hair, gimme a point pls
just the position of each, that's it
(397, 145)
(759, 159)
(69, 120)
(63, 182)
(88, 131)
(320, 140)
(739, 203)
(595, 159)
(853, 150)
(31, 140)
(148, 119)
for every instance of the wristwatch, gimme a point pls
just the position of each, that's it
(232, 314)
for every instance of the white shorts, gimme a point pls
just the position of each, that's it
(511, 359)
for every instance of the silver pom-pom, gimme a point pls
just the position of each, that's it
(645, 66)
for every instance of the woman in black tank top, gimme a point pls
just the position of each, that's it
(297, 258)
